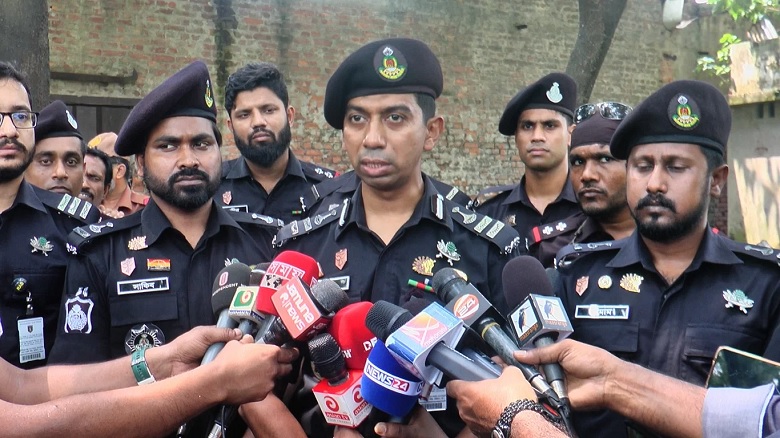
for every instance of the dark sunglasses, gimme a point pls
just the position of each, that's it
(608, 110)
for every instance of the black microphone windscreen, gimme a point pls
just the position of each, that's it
(416, 305)
(225, 284)
(326, 355)
(329, 295)
(384, 318)
(522, 276)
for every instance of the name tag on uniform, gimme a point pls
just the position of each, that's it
(141, 286)
(343, 282)
(602, 311)
(237, 208)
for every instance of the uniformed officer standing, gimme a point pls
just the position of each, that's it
(673, 292)
(599, 182)
(267, 178)
(146, 277)
(34, 225)
(387, 240)
(540, 118)
(58, 158)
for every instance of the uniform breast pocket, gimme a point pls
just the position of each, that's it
(702, 341)
(619, 338)
(143, 308)
(46, 283)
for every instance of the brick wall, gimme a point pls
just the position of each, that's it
(488, 49)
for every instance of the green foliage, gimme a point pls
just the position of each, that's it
(741, 11)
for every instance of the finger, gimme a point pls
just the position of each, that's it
(247, 339)
(550, 354)
(454, 388)
(213, 334)
(284, 369)
(389, 429)
(287, 355)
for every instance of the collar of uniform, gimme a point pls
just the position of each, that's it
(591, 231)
(425, 209)
(711, 250)
(28, 196)
(518, 194)
(154, 222)
(240, 169)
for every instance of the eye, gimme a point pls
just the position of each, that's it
(396, 118)
(73, 162)
(576, 161)
(606, 160)
(550, 125)
(202, 144)
(525, 126)
(21, 117)
(355, 118)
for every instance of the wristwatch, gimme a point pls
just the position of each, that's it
(504, 424)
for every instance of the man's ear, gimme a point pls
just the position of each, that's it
(434, 127)
(290, 115)
(139, 165)
(718, 180)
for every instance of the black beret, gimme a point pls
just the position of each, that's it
(390, 66)
(595, 129)
(56, 121)
(556, 91)
(186, 93)
(692, 112)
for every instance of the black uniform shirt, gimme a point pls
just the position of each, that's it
(240, 192)
(33, 238)
(546, 240)
(369, 270)
(138, 274)
(512, 205)
(616, 299)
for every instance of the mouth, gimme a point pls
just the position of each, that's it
(374, 167)
(86, 196)
(590, 192)
(60, 189)
(261, 136)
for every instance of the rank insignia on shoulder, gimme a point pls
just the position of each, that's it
(631, 282)
(739, 299)
(41, 244)
(71, 249)
(143, 336)
(423, 265)
(97, 228)
(468, 217)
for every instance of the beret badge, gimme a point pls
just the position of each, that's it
(683, 112)
(390, 64)
(554, 93)
(208, 97)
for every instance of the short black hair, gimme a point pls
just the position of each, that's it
(427, 104)
(714, 158)
(103, 157)
(255, 75)
(8, 71)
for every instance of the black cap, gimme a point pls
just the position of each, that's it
(556, 91)
(595, 129)
(186, 93)
(56, 121)
(692, 112)
(389, 66)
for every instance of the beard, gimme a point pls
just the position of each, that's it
(186, 198)
(266, 153)
(665, 233)
(614, 206)
(14, 171)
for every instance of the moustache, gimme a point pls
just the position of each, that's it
(256, 131)
(656, 201)
(15, 143)
(189, 172)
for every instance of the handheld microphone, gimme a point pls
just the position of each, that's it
(422, 343)
(540, 318)
(467, 303)
(229, 279)
(303, 312)
(258, 272)
(388, 386)
(339, 392)
(348, 328)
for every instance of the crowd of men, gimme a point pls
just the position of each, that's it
(614, 198)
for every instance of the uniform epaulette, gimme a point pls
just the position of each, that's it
(72, 206)
(756, 251)
(255, 219)
(306, 226)
(492, 230)
(554, 229)
(80, 236)
(317, 173)
(452, 193)
(489, 193)
(585, 248)
(324, 189)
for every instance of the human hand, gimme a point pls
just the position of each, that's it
(110, 212)
(481, 403)
(346, 432)
(421, 425)
(186, 351)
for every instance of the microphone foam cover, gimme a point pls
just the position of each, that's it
(329, 295)
(348, 328)
(225, 284)
(384, 318)
(326, 356)
(386, 369)
(522, 276)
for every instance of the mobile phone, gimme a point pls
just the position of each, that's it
(740, 369)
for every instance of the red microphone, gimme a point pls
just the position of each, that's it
(348, 328)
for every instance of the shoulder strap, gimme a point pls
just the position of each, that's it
(579, 249)
(489, 193)
(243, 217)
(317, 173)
(306, 226)
(554, 229)
(755, 251)
(71, 206)
(81, 236)
(492, 230)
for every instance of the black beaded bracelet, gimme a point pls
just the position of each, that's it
(518, 406)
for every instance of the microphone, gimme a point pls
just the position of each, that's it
(388, 386)
(540, 318)
(229, 279)
(258, 272)
(467, 303)
(348, 328)
(422, 343)
(339, 392)
(303, 311)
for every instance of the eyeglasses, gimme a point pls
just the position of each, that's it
(608, 110)
(21, 119)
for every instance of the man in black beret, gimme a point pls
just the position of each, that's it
(672, 292)
(540, 118)
(599, 182)
(35, 225)
(146, 278)
(58, 159)
(267, 178)
(387, 239)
